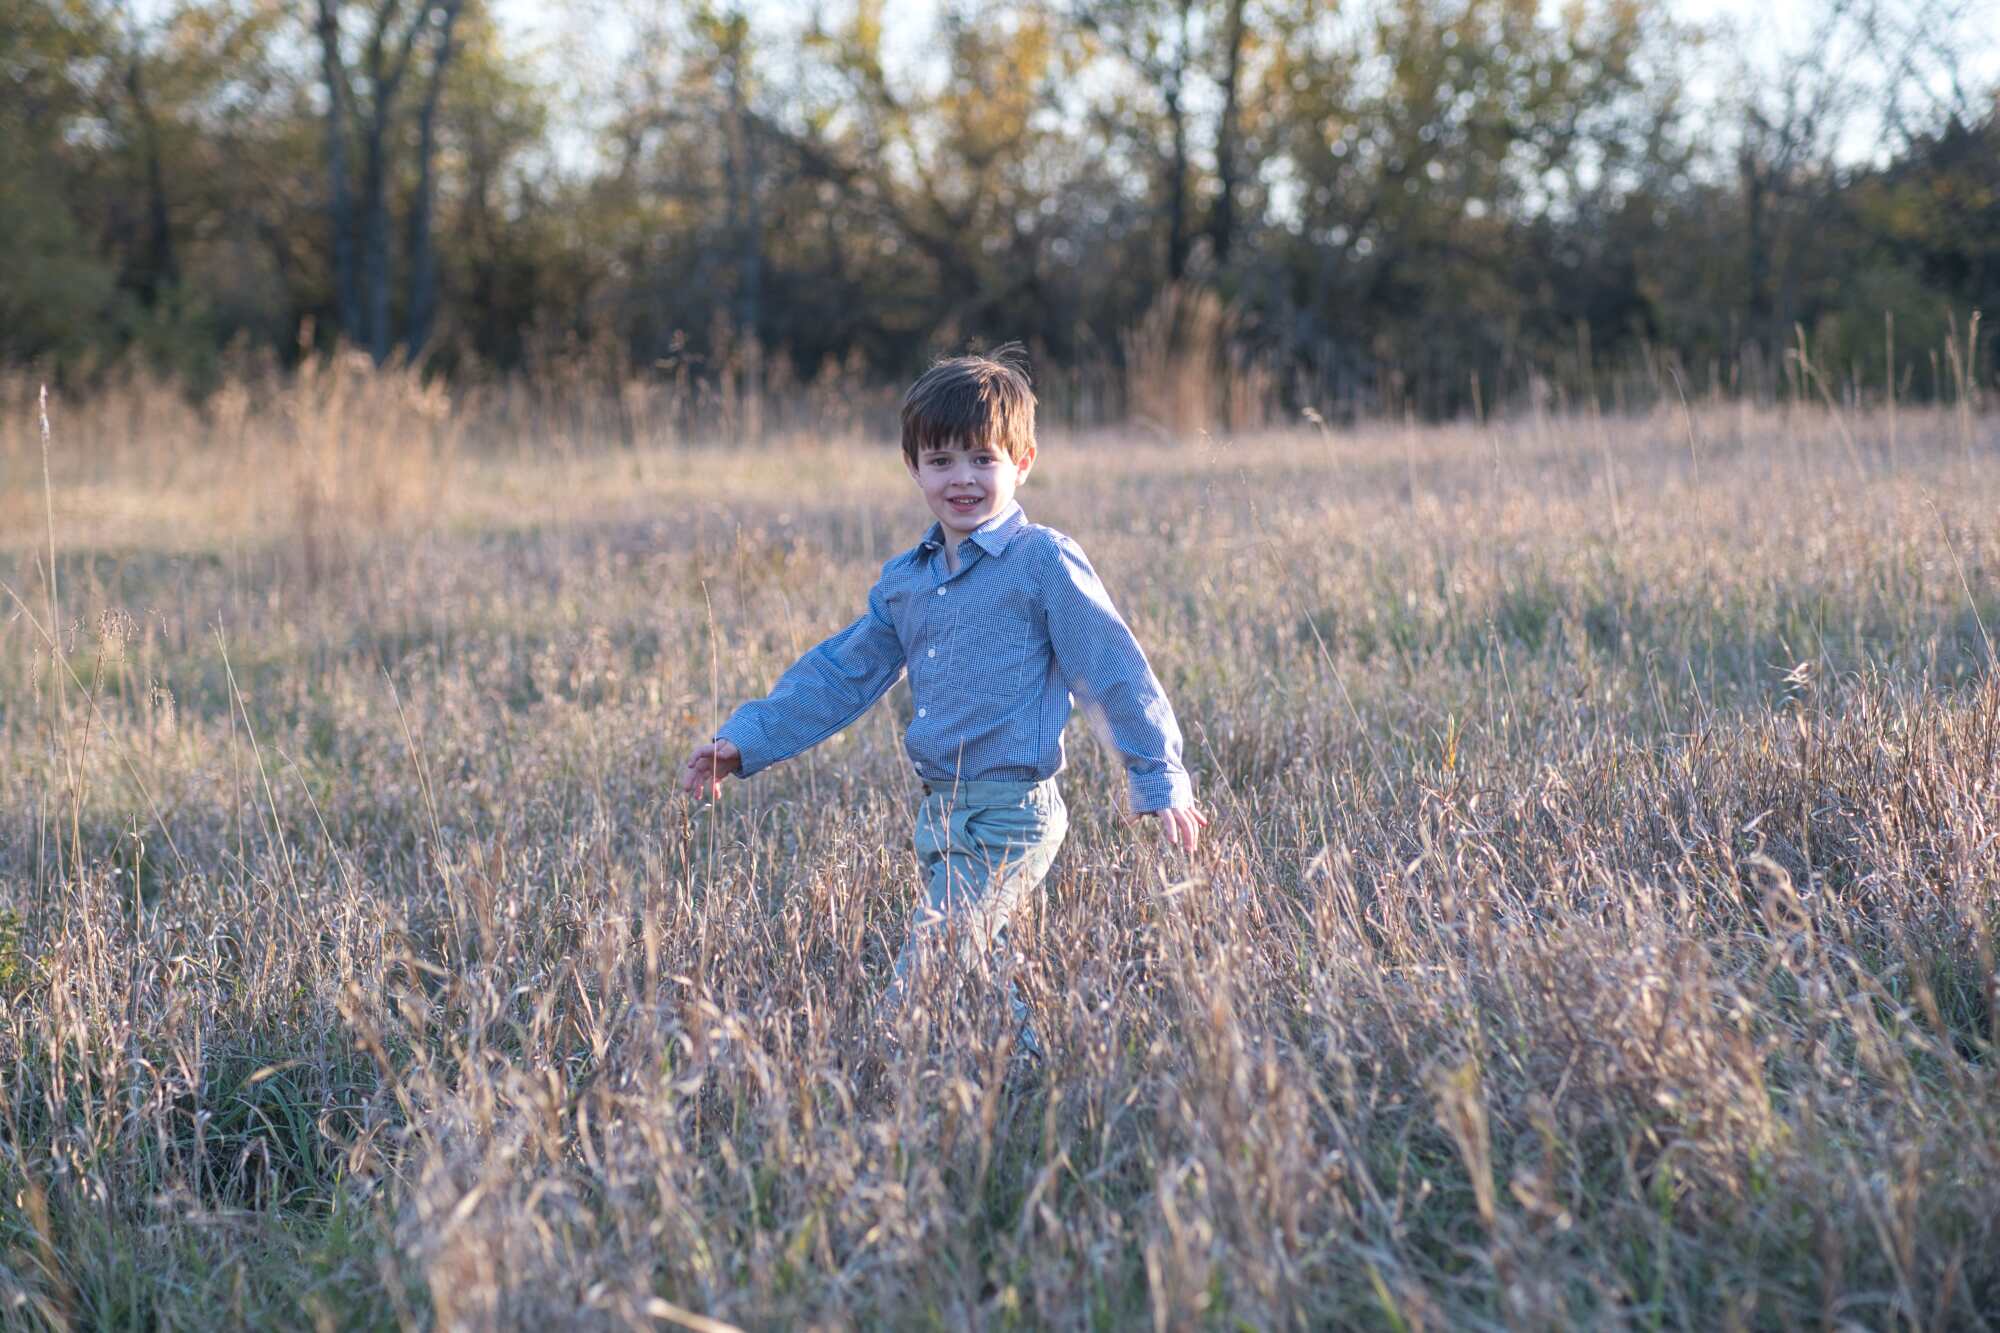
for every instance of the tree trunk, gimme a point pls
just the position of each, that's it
(1756, 250)
(739, 169)
(375, 236)
(1177, 166)
(1222, 221)
(340, 204)
(162, 269)
(423, 256)
(745, 218)
(1177, 237)
(383, 82)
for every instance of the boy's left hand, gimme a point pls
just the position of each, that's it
(1181, 825)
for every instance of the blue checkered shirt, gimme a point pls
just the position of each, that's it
(994, 652)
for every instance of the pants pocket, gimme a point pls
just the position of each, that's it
(936, 822)
(1013, 831)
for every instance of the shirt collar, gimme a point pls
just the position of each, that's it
(991, 536)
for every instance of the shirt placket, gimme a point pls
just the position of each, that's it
(938, 619)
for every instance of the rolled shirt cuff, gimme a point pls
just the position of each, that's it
(748, 738)
(1169, 790)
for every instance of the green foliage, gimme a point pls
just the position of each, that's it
(56, 288)
(55, 285)
(13, 968)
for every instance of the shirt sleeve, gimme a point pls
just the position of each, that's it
(1108, 673)
(833, 684)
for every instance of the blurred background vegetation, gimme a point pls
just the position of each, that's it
(1199, 212)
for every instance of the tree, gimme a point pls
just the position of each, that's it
(53, 286)
(1222, 215)
(394, 43)
(1433, 153)
(1184, 53)
(515, 222)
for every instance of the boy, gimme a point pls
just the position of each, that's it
(997, 621)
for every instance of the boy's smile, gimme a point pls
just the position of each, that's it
(965, 487)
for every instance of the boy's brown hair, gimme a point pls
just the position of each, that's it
(969, 401)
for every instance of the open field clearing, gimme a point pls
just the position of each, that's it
(1596, 925)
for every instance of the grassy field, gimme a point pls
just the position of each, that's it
(1596, 927)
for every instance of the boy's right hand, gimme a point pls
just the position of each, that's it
(708, 766)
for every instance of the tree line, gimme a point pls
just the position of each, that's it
(1380, 204)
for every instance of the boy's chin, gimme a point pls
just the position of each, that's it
(961, 522)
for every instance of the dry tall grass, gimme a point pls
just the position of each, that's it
(1597, 926)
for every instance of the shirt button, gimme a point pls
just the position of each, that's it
(940, 592)
(931, 653)
(923, 712)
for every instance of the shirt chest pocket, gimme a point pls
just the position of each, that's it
(989, 645)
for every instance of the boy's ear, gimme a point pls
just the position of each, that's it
(1027, 462)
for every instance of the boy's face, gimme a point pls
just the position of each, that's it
(965, 487)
